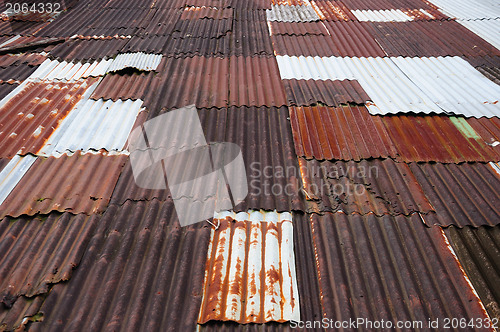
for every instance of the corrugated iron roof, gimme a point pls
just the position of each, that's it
(387, 15)
(250, 271)
(416, 9)
(6, 89)
(390, 268)
(367, 187)
(94, 125)
(150, 274)
(250, 36)
(12, 172)
(132, 85)
(489, 30)
(327, 92)
(51, 70)
(465, 10)
(478, 252)
(197, 12)
(81, 183)
(38, 110)
(202, 28)
(488, 129)
(465, 194)
(139, 61)
(40, 251)
(332, 10)
(302, 29)
(88, 49)
(286, 13)
(493, 73)
(16, 68)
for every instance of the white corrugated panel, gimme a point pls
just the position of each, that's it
(386, 15)
(419, 85)
(251, 275)
(94, 125)
(13, 173)
(285, 13)
(140, 61)
(489, 30)
(469, 10)
(64, 71)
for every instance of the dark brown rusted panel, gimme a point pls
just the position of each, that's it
(465, 194)
(298, 29)
(144, 271)
(6, 88)
(332, 10)
(76, 184)
(3, 163)
(493, 73)
(326, 92)
(186, 28)
(39, 108)
(251, 35)
(124, 86)
(478, 250)
(390, 268)
(367, 187)
(208, 12)
(40, 251)
(489, 130)
(21, 314)
(88, 49)
(345, 133)
(432, 38)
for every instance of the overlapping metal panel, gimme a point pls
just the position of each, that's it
(81, 183)
(52, 70)
(286, 13)
(389, 268)
(38, 110)
(94, 125)
(123, 86)
(488, 129)
(489, 30)
(202, 28)
(250, 272)
(149, 274)
(332, 10)
(345, 133)
(493, 73)
(467, 10)
(250, 36)
(6, 89)
(405, 84)
(478, 252)
(197, 12)
(325, 92)
(367, 187)
(140, 61)
(388, 15)
(12, 173)
(462, 195)
(88, 49)
(16, 68)
(294, 29)
(40, 251)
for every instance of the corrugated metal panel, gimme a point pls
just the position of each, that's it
(489, 130)
(346, 133)
(81, 183)
(30, 117)
(489, 30)
(12, 173)
(16, 68)
(250, 272)
(88, 49)
(332, 10)
(465, 194)
(285, 13)
(197, 12)
(392, 15)
(430, 38)
(203, 28)
(325, 92)
(149, 274)
(94, 125)
(466, 10)
(479, 254)
(294, 29)
(389, 268)
(368, 187)
(405, 84)
(22, 313)
(250, 35)
(51, 70)
(123, 86)
(6, 89)
(493, 73)
(344, 39)
(161, 23)
(436, 138)
(41, 251)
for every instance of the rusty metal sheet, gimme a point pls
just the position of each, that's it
(302, 29)
(29, 118)
(345, 133)
(198, 12)
(478, 252)
(40, 251)
(81, 183)
(465, 194)
(23, 312)
(332, 10)
(390, 268)
(88, 49)
(352, 39)
(493, 73)
(6, 89)
(430, 38)
(436, 138)
(367, 187)
(325, 92)
(202, 28)
(145, 273)
(250, 35)
(16, 68)
(489, 130)
(250, 274)
(123, 86)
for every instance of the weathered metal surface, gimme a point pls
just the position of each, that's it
(478, 252)
(286, 13)
(94, 125)
(16, 68)
(6, 89)
(197, 12)
(149, 274)
(140, 61)
(489, 30)
(326, 92)
(345, 133)
(392, 15)
(123, 86)
(202, 28)
(21, 314)
(294, 29)
(390, 268)
(81, 183)
(40, 251)
(465, 10)
(250, 36)
(465, 194)
(352, 39)
(30, 117)
(367, 187)
(489, 130)
(12, 172)
(332, 10)
(493, 73)
(53, 70)
(430, 38)
(88, 49)
(250, 271)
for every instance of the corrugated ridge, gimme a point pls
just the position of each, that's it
(302, 29)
